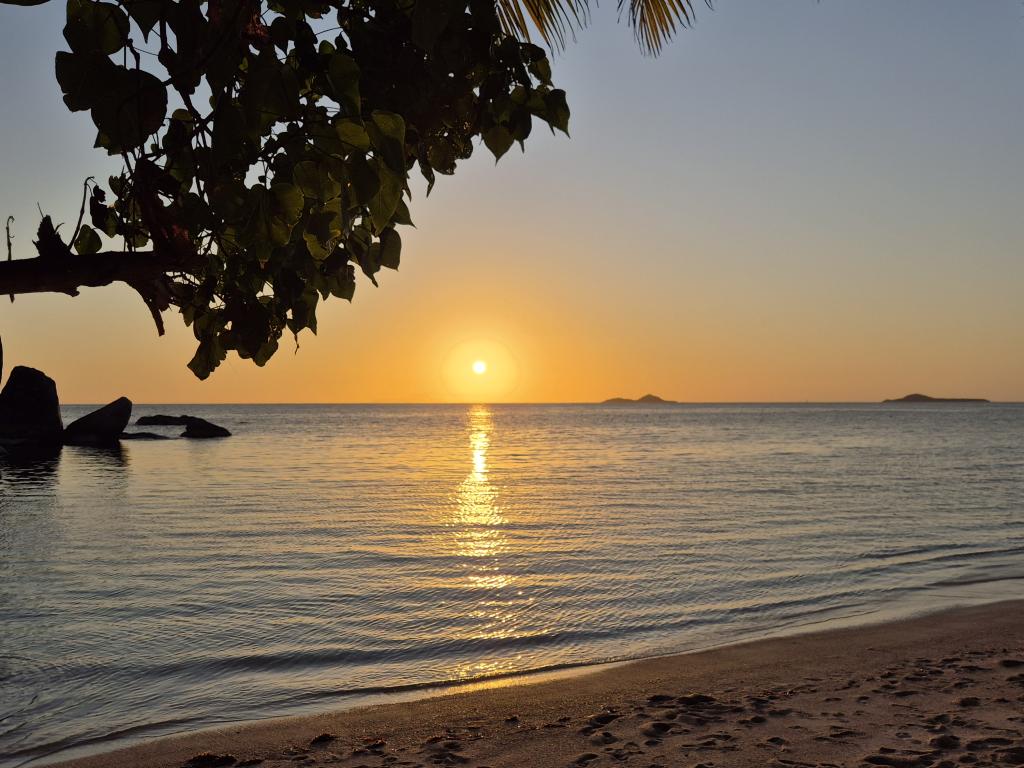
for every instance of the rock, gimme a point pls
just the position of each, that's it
(30, 423)
(143, 436)
(162, 421)
(194, 426)
(101, 427)
(201, 428)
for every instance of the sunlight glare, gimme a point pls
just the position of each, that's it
(479, 367)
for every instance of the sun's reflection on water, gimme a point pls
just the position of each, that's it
(480, 541)
(477, 513)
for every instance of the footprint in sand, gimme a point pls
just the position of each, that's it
(656, 729)
(210, 760)
(1013, 756)
(605, 737)
(945, 742)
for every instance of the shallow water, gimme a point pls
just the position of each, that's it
(325, 552)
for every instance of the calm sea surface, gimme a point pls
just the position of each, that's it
(325, 553)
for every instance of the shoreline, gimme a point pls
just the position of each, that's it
(911, 604)
(545, 718)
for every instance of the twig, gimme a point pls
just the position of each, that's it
(10, 237)
(81, 211)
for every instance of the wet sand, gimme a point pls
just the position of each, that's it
(943, 690)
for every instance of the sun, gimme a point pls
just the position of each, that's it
(476, 371)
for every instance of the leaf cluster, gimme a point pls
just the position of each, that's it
(268, 146)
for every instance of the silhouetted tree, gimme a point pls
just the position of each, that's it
(267, 146)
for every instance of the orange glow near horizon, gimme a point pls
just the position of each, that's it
(536, 349)
(479, 371)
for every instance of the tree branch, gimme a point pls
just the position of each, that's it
(145, 272)
(67, 275)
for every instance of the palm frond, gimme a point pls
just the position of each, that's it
(555, 20)
(653, 21)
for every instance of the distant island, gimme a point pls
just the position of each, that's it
(918, 398)
(646, 399)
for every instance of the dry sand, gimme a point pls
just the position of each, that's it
(942, 690)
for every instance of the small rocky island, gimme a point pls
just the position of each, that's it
(918, 398)
(645, 400)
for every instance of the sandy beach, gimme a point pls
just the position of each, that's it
(940, 690)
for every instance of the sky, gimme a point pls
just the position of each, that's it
(797, 201)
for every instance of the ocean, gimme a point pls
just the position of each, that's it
(330, 555)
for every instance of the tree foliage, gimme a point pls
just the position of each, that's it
(267, 147)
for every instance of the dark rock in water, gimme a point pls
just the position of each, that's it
(194, 426)
(143, 436)
(201, 428)
(162, 421)
(30, 423)
(101, 427)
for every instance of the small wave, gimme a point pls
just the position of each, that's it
(974, 581)
(78, 741)
(943, 553)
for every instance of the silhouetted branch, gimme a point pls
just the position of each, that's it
(46, 275)
(145, 272)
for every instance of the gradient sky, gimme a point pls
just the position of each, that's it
(797, 201)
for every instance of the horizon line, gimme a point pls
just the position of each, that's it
(540, 402)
